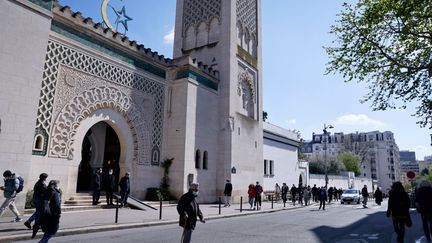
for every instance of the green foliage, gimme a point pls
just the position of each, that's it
(163, 192)
(333, 167)
(351, 162)
(386, 44)
(29, 200)
(165, 179)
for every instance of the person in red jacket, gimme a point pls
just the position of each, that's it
(251, 194)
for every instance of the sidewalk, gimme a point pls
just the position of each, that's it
(78, 222)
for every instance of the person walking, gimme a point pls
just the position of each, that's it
(293, 194)
(365, 195)
(110, 186)
(277, 192)
(284, 191)
(300, 194)
(11, 184)
(251, 195)
(188, 210)
(50, 220)
(39, 190)
(314, 193)
(258, 191)
(398, 209)
(378, 196)
(322, 197)
(330, 194)
(227, 193)
(424, 206)
(124, 189)
(97, 186)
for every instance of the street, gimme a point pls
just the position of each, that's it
(337, 224)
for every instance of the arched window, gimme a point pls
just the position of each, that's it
(38, 143)
(197, 159)
(205, 160)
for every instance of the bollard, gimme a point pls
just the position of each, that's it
(272, 200)
(241, 204)
(116, 214)
(220, 201)
(160, 210)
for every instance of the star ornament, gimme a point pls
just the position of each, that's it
(122, 18)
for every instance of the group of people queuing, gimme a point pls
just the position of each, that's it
(46, 200)
(110, 185)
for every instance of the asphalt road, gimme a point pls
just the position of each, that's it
(337, 224)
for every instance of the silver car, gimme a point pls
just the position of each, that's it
(351, 196)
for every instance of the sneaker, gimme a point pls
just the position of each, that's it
(27, 224)
(18, 219)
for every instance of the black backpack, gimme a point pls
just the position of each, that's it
(21, 184)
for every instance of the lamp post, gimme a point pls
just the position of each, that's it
(325, 151)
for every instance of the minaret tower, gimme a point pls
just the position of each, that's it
(226, 36)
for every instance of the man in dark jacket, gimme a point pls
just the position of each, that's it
(227, 193)
(365, 195)
(124, 189)
(424, 206)
(110, 186)
(188, 210)
(322, 197)
(314, 193)
(97, 186)
(11, 184)
(39, 191)
(284, 190)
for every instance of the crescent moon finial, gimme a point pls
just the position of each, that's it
(105, 15)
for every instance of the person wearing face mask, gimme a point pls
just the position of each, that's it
(188, 210)
(110, 185)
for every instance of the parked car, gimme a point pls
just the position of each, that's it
(351, 196)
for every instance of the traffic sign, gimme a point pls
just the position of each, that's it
(410, 174)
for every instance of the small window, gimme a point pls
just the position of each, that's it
(197, 159)
(205, 160)
(38, 143)
(271, 167)
(265, 167)
(364, 174)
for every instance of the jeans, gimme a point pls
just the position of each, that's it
(399, 227)
(227, 200)
(124, 198)
(187, 235)
(427, 224)
(38, 203)
(9, 202)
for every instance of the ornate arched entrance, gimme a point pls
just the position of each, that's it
(100, 149)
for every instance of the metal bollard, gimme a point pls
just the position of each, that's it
(220, 201)
(116, 213)
(272, 200)
(241, 204)
(160, 209)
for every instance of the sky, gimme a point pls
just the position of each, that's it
(297, 93)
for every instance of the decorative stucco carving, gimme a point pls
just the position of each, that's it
(246, 90)
(197, 11)
(83, 105)
(69, 72)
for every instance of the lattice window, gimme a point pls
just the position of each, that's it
(247, 15)
(195, 11)
(60, 54)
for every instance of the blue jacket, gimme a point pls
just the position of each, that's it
(11, 184)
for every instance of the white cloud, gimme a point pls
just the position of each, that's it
(169, 38)
(358, 120)
(291, 121)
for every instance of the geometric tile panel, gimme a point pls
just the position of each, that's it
(247, 14)
(197, 11)
(60, 54)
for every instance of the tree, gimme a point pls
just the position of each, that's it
(265, 116)
(351, 162)
(388, 45)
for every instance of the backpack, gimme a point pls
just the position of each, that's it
(21, 184)
(322, 193)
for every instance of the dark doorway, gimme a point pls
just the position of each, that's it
(100, 148)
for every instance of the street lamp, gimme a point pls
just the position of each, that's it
(325, 151)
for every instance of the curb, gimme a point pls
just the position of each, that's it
(102, 228)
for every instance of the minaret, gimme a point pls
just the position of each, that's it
(226, 36)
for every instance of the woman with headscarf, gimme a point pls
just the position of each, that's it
(424, 206)
(398, 209)
(51, 216)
